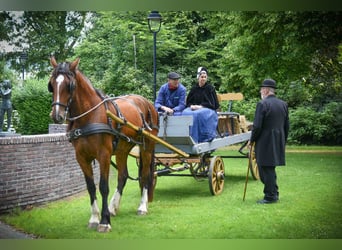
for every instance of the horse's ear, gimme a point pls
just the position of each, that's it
(74, 64)
(53, 62)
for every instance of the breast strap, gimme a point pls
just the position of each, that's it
(89, 129)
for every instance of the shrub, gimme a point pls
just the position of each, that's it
(333, 111)
(307, 126)
(33, 104)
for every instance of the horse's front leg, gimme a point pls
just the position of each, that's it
(104, 225)
(95, 212)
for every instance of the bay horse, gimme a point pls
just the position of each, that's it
(95, 136)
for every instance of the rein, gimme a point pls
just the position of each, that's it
(95, 128)
(90, 110)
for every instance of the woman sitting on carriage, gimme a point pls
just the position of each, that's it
(202, 104)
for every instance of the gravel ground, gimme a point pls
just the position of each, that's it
(8, 232)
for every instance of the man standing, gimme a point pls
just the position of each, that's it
(6, 107)
(270, 132)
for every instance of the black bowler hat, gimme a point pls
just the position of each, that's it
(173, 75)
(269, 83)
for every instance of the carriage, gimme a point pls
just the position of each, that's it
(100, 126)
(176, 152)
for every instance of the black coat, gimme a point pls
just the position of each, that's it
(205, 96)
(270, 131)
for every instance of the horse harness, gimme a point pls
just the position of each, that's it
(96, 128)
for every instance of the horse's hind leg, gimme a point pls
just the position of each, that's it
(145, 173)
(121, 162)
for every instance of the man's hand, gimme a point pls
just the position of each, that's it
(167, 110)
(249, 145)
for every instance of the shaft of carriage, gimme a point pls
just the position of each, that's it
(147, 134)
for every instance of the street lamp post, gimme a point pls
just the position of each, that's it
(154, 24)
(23, 59)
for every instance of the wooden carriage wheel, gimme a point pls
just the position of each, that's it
(252, 164)
(216, 175)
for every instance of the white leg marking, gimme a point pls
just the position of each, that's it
(115, 203)
(142, 210)
(95, 216)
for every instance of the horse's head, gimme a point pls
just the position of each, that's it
(62, 85)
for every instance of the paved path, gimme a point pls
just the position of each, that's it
(8, 232)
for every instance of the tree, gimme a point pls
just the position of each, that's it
(42, 33)
(5, 28)
(118, 52)
(287, 46)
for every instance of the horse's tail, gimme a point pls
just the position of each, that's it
(153, 116)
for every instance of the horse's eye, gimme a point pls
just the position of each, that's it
(71, 86)
(50, 87)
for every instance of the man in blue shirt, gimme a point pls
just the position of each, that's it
(171, 96)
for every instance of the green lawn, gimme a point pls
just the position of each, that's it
(183, 208)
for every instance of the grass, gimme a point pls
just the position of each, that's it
(183, 208)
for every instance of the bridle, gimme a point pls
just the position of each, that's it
(62, 69)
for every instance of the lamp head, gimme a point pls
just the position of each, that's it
(154, 21)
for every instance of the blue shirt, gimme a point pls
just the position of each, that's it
(174, 99)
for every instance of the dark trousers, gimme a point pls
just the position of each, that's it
(268, 177)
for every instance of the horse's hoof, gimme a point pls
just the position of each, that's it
(140, 212)
(93, 225)
(104, 228)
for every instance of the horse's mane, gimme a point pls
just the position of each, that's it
(100, 93)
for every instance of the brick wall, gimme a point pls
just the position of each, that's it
(38, 169)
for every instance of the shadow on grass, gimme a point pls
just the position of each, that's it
(189, 187)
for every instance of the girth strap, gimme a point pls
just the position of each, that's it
(98, 128)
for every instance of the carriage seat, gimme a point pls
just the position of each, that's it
(230, 123)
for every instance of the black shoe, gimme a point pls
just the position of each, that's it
(264, 201)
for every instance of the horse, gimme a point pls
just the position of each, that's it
(95, 136)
